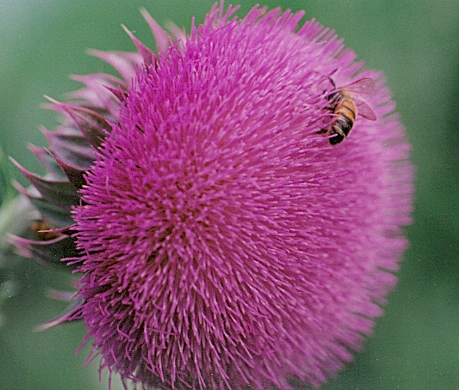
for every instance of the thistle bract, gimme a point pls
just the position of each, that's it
(223, 243)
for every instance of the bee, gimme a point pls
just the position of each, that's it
(346, 103)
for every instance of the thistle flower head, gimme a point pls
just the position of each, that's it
(223, 242)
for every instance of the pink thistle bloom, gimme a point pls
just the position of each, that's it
(224, 243)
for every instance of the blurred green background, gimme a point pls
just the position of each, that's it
(416, 44)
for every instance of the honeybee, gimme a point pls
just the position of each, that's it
(346, 103)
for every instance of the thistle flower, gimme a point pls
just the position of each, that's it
(222, 241)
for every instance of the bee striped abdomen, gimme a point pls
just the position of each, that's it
(345, 112)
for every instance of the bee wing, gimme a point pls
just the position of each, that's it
(363, 88)
(364, 110)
